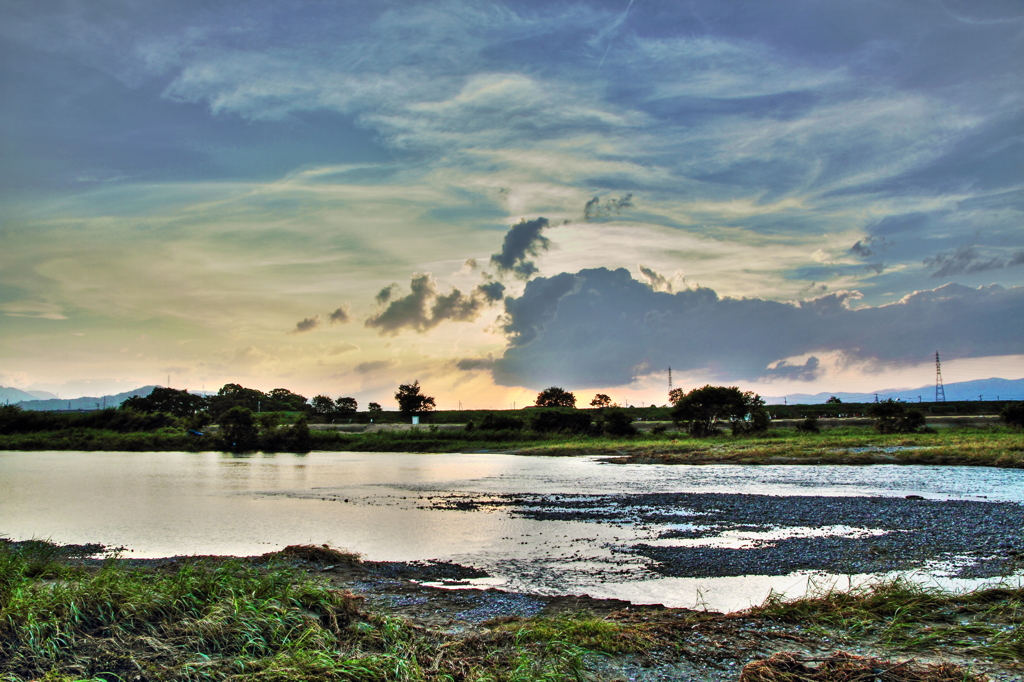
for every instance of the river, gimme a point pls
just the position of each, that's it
(380, 505)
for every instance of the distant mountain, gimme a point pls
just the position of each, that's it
(13, 395)
(988, 389)
(42, 395)
(86, 403)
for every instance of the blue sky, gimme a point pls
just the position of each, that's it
(493, 198)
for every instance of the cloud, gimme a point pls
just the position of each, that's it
(861, 249)
(656, 280)
(343, 347)
(385, 294)
(341, 315)
(522, 240)
(425, 308)
(966, 261)
(594, 209)
(469, 364)
(306, 325)
(601, 327)
(809, 371)
(375, 366)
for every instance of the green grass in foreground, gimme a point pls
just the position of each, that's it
(239, 620)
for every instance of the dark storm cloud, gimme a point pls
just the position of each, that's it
(340, 315)
(306, 325)
(522, 240)
(966, 261)
(602, 327)
(424, 307)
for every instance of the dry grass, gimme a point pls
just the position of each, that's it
(844, 667)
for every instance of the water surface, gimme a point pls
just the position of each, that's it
(170, 503)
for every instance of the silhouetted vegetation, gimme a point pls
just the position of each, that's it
(500, 422)
(809, 425)
(617, 422)
(702, 409)
(411, 399)
(1013, 415)
(894, 417)
(13, 420)
(552, 420)
(555, 397)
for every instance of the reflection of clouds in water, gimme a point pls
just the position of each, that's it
(163, 504)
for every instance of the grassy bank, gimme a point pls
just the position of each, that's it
(267, 619)
(962, 445)
(971, 446)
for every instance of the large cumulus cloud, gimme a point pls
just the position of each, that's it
(602, 327)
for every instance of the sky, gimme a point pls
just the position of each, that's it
(496, 197)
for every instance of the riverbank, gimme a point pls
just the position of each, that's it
(956, 444)
(314, 613)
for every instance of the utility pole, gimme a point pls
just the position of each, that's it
(940, 390)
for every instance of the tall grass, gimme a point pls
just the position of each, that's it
(199, 620)
(909, 616)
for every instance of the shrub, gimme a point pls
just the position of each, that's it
(500, 422)
(1013, 415)
(563, 421)
(238, 432)
(893, 417)
(809, 425)
(617, 422)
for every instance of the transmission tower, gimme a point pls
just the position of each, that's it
(940, 392)
(669, 379)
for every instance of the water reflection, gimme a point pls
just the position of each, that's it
(163, 504)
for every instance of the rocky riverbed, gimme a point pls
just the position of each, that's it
(719, 534)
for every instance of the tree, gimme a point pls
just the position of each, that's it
(601, 401)
(235, 395)
(701, 408)
(892, 416)
(238, 432)
(555, 397)
(374, 407)
(411, 400)
(833, 401)
(322, 404)
(675, 395)
(283, 400)
(346, 405)
(169, 400)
